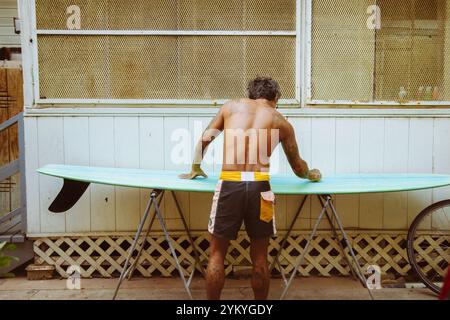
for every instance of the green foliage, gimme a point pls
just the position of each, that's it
(5, 260)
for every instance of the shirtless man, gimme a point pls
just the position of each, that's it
(253, 128)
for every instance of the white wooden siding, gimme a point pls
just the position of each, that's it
(126, 146)
(50, 133)
(333, 144)
(8, 11)
(101, 153)
(76, 152)
(371, 207)
(395, 160)
(323, 156)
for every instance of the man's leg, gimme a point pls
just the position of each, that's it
(215, 273)
(260, 275)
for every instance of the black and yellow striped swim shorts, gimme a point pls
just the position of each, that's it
(243, 197)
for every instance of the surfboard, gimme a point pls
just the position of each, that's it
(288, 185)
(78, 178)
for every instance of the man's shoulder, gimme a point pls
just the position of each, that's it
(234, 105)
(238, 101)
(279, 120)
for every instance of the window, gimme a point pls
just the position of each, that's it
(164, 50)
(406, 60)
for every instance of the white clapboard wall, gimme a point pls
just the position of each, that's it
(335, 145)
(8, 11)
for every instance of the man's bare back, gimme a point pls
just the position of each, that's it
(251, 133)
(252, 130)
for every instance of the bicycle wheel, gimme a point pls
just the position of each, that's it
(428, 244)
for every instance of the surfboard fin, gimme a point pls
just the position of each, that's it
(70, 193)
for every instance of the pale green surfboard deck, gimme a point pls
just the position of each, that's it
(168, 180)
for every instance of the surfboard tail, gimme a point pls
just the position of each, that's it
(68, 196)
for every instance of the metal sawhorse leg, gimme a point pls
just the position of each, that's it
(327, 204)
(154, 201)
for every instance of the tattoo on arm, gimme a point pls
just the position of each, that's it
(214, 128)
(298, 165)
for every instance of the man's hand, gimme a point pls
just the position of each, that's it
(314, 175)
(196, 171)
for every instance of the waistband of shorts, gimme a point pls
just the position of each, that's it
(244, 176)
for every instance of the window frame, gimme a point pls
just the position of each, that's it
(35, 33)
(303, 67)
(350, 103)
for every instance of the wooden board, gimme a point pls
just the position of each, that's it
(373, 136)
(11, 103)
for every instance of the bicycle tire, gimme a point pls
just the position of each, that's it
(410, 244)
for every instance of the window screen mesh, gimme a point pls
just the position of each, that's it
(164, 67)
(408, 58)
(161, 67)
(410, 50)
(170, 14)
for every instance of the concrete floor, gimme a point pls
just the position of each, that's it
(335, 288)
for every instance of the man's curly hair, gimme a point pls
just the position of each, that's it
(263, 88)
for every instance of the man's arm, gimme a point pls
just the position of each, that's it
(214, 128)
(298, 165)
